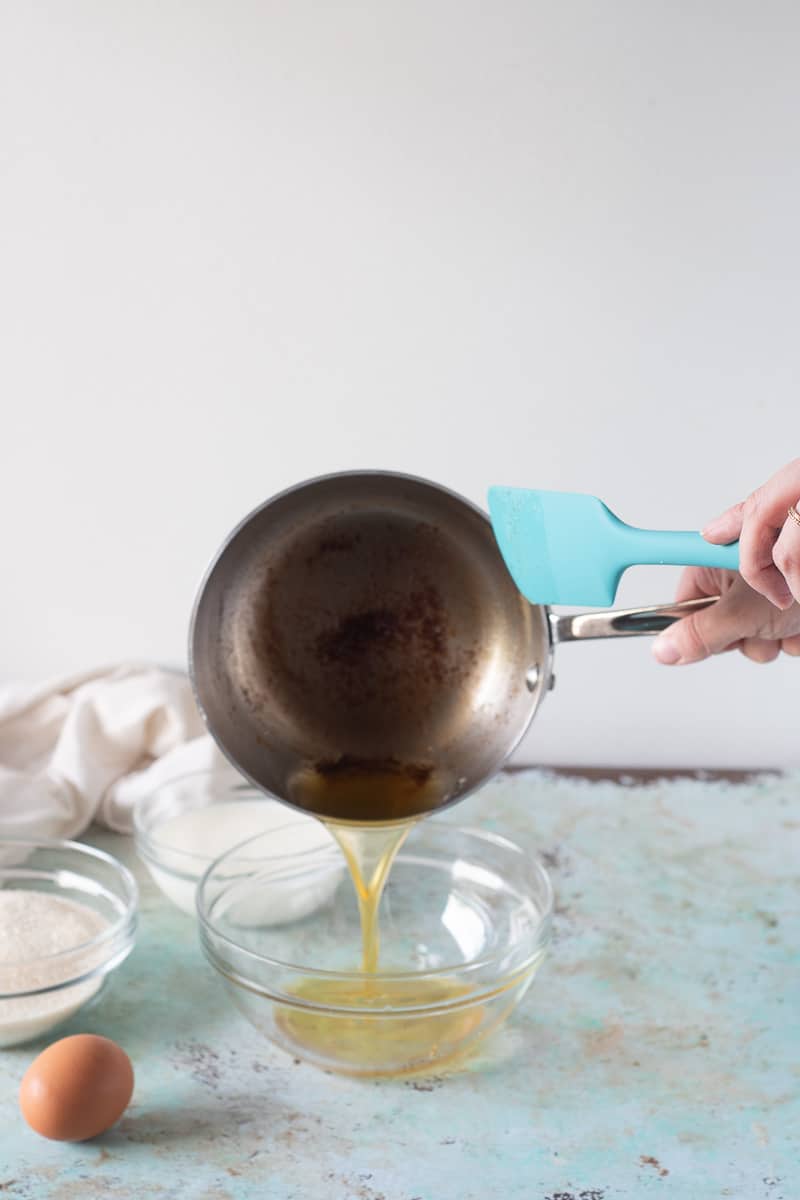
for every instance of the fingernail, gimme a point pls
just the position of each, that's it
(712, 528)
(665, 651)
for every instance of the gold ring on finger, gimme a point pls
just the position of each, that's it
(794, 514)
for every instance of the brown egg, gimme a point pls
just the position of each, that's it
(76, 1088)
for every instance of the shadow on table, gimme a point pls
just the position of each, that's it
(508, 1048)
(197, 1121)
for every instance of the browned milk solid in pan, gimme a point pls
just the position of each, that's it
(350, 628)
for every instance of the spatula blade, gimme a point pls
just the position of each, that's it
(560, 547)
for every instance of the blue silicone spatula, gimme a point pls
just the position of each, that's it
(568, 548)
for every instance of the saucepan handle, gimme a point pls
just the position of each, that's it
(622, 622)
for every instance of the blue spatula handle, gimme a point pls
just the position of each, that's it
(676, 548)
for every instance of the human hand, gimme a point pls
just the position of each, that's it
(740, 620)
(769, 537)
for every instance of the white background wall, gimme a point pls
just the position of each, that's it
(243, 243)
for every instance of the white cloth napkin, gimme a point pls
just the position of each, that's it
(87, 747)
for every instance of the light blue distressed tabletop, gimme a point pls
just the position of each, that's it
(657, 1053)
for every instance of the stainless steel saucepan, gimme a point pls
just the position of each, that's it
(368, 618)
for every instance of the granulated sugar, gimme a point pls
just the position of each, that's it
(35, 927)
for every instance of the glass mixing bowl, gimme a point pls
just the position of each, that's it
(41, 989)
(181, 827)
(465, 922)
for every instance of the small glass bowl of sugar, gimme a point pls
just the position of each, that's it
(187, 823)
(67, 920)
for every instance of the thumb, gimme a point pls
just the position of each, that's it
(698, 635)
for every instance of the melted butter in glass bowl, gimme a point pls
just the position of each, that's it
(465, 924)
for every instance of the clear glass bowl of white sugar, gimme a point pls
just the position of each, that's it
(186, 823)
(67, 919)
